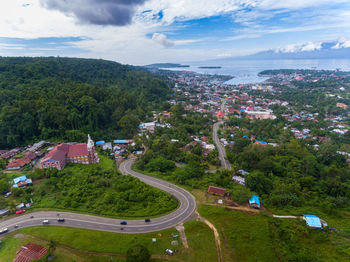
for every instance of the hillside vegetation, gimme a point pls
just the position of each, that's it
(65, 98)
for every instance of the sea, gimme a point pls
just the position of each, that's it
(246, 71)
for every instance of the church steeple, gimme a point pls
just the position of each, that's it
(90, 143)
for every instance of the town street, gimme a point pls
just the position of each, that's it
(222, 153)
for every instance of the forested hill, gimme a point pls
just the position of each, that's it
(66, 98)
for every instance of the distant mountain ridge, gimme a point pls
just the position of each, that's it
(319, 50)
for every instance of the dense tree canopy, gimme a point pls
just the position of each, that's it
(65, 98)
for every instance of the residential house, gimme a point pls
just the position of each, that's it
(260, 143)
(239, 180)
(254, 201)
(21, 162)
(21, 181)
(314, 221)
(216, 191)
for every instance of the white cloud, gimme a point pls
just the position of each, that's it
(342, 44)
(303, 47)
(162, 40)
(131, 43)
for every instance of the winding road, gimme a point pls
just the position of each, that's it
(222, 153)
(186, 208)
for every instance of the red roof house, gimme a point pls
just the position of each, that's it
(30, 252)
(220, 115)
(216, 190)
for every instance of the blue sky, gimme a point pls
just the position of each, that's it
(147, 31)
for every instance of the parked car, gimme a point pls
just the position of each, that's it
(169, 252)
(61, 219)
(46, 221)
(21, 211)
(8, 194)
(3, 230)
(147, 220)
(123, 222)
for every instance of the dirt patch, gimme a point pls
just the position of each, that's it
(216, 235)
(165, 257)
(19, 236)
(183, 237)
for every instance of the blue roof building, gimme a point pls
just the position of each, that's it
(313, 221)
(21, 181)
(261, 142)
(254, 201)
(120, 142)
(98, 143)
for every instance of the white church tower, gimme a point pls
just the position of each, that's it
(93, 156)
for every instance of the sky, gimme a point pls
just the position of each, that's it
(141, 32)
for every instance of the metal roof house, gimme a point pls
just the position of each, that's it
(216, 190)
(239, 180)
(21, 181)
(314, 221)
(254, 201)
(120, 142)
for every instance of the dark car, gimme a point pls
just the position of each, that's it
(60, 219)
(147, 220)
(123, 222)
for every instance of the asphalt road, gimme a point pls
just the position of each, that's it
(222, 153)
(186, 208)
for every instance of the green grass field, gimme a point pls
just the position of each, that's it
(88, 245)
(247, 237)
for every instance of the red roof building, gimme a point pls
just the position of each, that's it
(220, 115)
(21, 162)
(30, 252)
(216, 190)
(59, 156)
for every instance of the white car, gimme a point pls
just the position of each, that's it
(46, 221)
(169, 252)
(3, 230)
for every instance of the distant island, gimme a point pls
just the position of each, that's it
(165, 65)
(209, 67)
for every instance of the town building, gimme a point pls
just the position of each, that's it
(21, 162)
(342, 105)
(80, 153)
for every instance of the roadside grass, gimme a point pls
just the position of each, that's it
(201, 243)
(90, 245)
(74, 244)
(100, 241)
(247, 237)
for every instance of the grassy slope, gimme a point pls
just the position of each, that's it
(247, 237)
